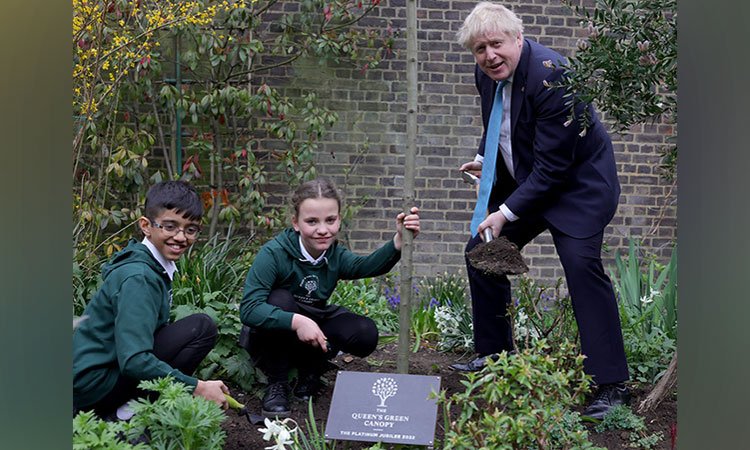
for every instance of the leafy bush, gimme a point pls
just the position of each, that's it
(541, 312)
(210, 279)
(456, 327)
(520, 401)
(647, 298)
(364, 297)
(92, 433)
(447, 292)
(451, 311)
(622, 418)
(175, 420)
(86, 281)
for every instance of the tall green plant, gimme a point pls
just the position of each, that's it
(451, 311)
(647, 298)
(647, 290)
(541, 312)
(364, 297)
(627, 63)
(169, 89)
(210, 279)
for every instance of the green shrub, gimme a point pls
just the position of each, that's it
(93, 433)
(175, 420)
(622, 418)
(364, 297)
(455, 326)
(210, 279)
(647, 299)
(86, 280)
(520, 401)
(439, 308)
(446, 292)
(541, 312)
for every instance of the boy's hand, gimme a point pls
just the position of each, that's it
(411, 222)
(214, 391)
(309, 332)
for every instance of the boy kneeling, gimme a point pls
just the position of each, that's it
(126, 336)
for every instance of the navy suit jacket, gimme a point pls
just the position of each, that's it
(569, 180)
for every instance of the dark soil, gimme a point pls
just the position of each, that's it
(241, 434)
(497, 257)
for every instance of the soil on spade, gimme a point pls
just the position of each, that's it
(241, 434)
(497, 257)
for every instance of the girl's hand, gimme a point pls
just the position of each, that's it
(309, 332)
(411, 222)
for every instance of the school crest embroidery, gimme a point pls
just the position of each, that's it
(309, 283)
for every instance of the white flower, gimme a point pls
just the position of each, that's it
(646, 299)
(280, 432)
(272, 429)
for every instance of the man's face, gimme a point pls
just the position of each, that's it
(497, 54)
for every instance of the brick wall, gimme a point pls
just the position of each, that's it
(370, 140)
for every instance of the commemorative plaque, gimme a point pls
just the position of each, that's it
(383, 407)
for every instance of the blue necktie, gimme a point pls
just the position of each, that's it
(491, 143)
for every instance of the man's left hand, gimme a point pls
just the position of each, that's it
(494, 221)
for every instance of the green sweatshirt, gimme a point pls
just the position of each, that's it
(280, 265)
(118, 334)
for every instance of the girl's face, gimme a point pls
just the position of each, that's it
(318, 223)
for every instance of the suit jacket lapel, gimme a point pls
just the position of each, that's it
(519, 91)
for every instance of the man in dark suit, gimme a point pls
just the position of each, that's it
(549, 174)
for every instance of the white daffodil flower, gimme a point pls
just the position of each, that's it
(272, 429)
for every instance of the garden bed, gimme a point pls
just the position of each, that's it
(427, 361)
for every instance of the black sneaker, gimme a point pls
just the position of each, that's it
(276, 400)
(607, 397)
(307, 386)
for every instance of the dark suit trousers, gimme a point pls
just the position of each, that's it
(591, 292)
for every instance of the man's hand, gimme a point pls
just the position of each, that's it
(411, 222)
(309, 332)
(473, 167)
(495, 222)
(212, 390)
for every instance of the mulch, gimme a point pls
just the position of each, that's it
(241, 434)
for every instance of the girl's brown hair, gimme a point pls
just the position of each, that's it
(317, 188)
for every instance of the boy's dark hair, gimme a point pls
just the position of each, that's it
(317, 188)
(177, 195)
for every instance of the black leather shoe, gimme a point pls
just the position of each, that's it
(276, 400)
(307, 386)
(607, 397)
(474, 365)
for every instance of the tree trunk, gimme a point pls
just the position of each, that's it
(402, 359)
(662, 389)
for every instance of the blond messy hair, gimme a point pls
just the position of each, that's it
(488, 17)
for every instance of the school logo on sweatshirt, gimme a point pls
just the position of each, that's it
(309, 283)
